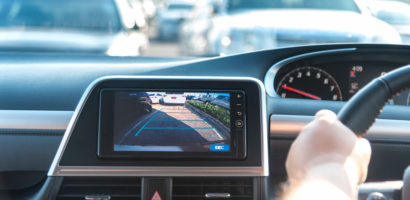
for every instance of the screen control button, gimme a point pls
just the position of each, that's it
(220, 147)
(239, 123)
(239, 96)
(239, 113)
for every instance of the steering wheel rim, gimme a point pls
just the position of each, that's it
(360, 112)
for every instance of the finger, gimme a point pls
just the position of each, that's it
(362, 154)
(363, 150)
(325, 114)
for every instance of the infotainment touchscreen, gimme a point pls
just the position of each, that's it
(183, 123)
(172, 121)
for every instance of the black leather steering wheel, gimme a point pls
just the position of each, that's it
(360, 112)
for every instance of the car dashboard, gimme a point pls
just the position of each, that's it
(52, 121)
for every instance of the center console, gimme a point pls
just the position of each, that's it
(165, 138)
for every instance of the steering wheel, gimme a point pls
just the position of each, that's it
(360, 112)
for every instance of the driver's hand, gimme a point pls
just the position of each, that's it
(328, 152)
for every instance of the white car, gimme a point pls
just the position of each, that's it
(394, 13)
(155, 97)
(173, 98)
(239, 26)
(171, 17)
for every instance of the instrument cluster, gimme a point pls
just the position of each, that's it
(334, 76)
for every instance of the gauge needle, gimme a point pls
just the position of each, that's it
(301, 92)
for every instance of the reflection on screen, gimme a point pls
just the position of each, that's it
(172, 121)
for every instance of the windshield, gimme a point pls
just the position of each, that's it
(90, 15)
(174, 93)
(180, 7)
(347, 5)
(196, 28)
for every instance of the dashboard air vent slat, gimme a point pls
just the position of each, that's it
(118, 188)
(239, 188)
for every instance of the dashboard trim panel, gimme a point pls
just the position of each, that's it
(158, 171)
(34, 119)
(386, 129)
(263, 170)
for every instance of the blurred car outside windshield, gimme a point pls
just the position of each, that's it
(293, 4)
(169, 19)
(57, 14)
(196, 28)
(70, 26)
(394, 13)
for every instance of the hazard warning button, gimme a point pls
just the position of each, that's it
(156, 188)
(156, 196)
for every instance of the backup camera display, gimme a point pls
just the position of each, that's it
(171, 121)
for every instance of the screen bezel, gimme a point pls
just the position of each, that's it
(106, 134)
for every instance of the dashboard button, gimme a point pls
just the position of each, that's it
(239, 123)
(220, 147)
(156, 188)
(97, 197)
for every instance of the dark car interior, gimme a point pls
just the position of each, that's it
(55, 121)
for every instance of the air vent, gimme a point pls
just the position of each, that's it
(117, 188)
(196, 188)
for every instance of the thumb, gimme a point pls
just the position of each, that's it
(361, 155)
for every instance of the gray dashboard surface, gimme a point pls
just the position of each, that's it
(56, 82)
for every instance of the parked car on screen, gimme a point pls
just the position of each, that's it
(155, 97)
(76, 26)
(141, 101)
(222, 101)
(238, 26)
(206, 98)
(394, 13)
(170, 17)
(173, 98)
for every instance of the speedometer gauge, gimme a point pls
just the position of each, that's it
(309, 83)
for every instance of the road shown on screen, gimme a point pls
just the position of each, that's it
(173, 126)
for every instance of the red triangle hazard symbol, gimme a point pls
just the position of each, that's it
(156, 196)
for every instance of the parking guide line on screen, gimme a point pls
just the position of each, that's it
(148, 122)
(217, 131)
(152, 119)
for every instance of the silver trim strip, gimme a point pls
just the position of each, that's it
(263, 170)
(97, 197)
(156, 171)
(384, 185)
(218, 195)
(34, 119)
(270, 75)
(291, 125)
